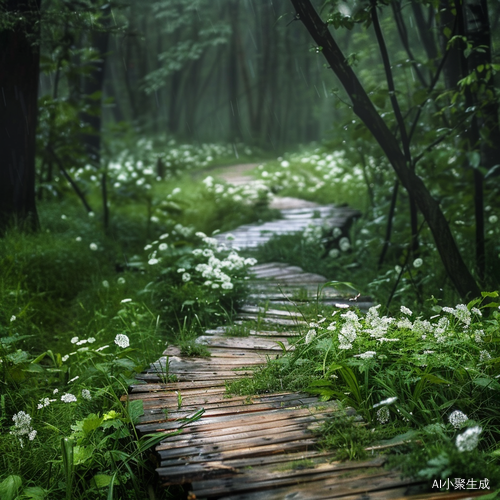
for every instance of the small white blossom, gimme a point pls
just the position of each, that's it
(153, 262)
(334, 253)
(366, 355)
(492, 219)
(122, 340)
(418, 262)
(124, 301)
(458, 419)
(86, 394)
(406, 311)
(73, 379)
(484, 356)
(121, 280)
(310, 336)
(105, 284)
(55, 391)
(65, 357)
(344, 244)
(12, 318)
(68, 398)
(186, 277)
(383, 415)
(227, 285)
(74, 340)
(93, 247)
(91, 340)
(468, 440)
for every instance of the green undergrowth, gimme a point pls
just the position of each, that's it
(426, 385)
(84, 311)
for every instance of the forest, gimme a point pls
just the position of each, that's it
(120, 122)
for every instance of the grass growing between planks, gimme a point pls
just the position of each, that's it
(429, 384)
(83, 312)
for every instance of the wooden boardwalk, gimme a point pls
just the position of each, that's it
(260, 447)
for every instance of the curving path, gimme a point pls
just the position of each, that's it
(259, 447)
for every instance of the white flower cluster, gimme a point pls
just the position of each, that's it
(461, 313)
(122, 340)
(22, 427)
(468, 440)
(77, 341)
(311, 173)
(247, 194)
(349, 330)
(458, 419)
(219, 265)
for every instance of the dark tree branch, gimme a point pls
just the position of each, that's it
(364, 108)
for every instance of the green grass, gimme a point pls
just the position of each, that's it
(83, 312)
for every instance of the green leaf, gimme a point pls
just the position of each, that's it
(35, 492)
(102, 480)
(135, 410)
(447, 32)
(491, 383)
(81, 454)
(91, 423)
(9, 487)
(489, 294)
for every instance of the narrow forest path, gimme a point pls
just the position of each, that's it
(259, 447)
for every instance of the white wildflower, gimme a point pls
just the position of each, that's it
(55, 391)
(105, 284)
(484, 356)
(477, 311)
(227, 285)
(344, 244)
(86, 394)
(12, 318)
(492, 219)
(121, 280)
(73, 379)
(478, 336)
(122, 340)
(74, 340)
(93, 247)
(468, 440)
(406, 311)
(68, 398)
(366, 355)
(418, 262)
(186, 277)
(65, 358)
(457, 419)
(334, 253)
(310, 335)
(383, 415)
(153, 262)
(162, 247)
(124, 301)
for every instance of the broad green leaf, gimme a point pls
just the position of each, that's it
(101, 480)
(91, 423)
(9, 487)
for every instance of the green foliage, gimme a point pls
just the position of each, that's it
(432, 381)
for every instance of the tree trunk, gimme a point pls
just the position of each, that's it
(19, 68)
(364, 108)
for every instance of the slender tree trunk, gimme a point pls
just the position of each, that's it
(19, 68)
(364, 108)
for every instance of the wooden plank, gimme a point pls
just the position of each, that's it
(244, 419)
(324, 488)
(252, 451)
(187, 471)
(263, 478)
